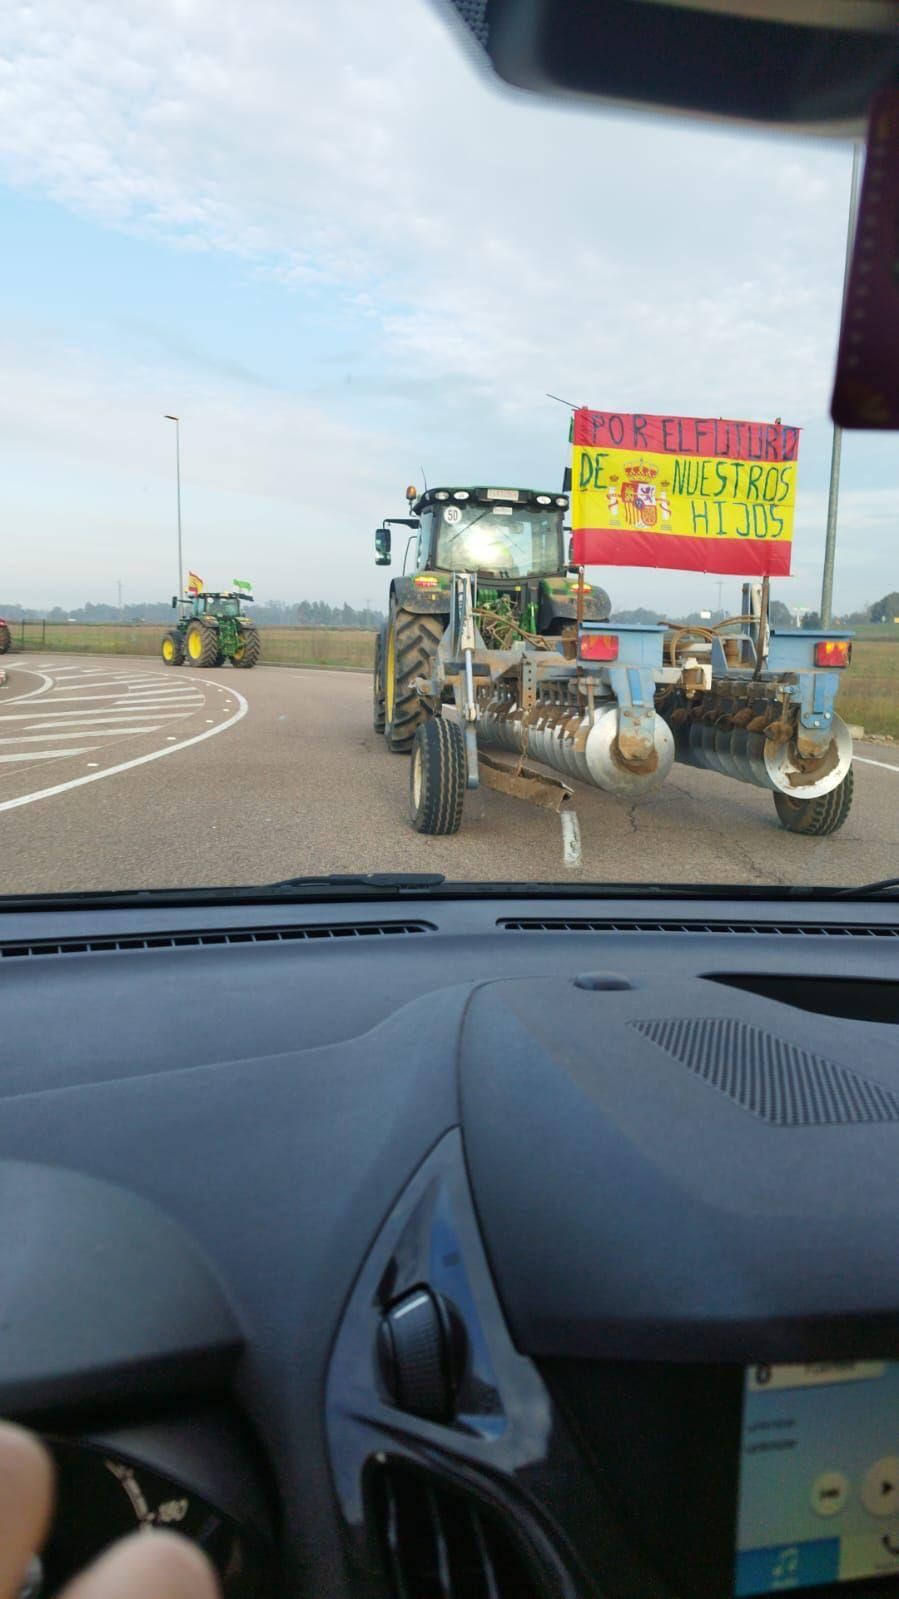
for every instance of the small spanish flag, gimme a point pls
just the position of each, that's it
(194, 583)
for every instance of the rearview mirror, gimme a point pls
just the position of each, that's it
(174, 601)
(382, 546)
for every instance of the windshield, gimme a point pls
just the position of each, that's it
(260, 307)
(501, 540)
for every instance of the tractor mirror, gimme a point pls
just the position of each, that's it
(382, 546)
(174, 601)
(571, 552)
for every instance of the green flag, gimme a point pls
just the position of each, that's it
(239, 583)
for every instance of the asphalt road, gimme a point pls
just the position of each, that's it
(122, 773)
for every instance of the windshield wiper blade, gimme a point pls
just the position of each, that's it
(401, 881)
(886, 886)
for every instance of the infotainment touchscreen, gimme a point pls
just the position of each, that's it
(819, 1475)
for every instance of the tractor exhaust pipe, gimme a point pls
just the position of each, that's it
(579, 744)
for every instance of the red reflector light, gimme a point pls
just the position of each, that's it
(599, 647)
(833, 652)
(427, 582)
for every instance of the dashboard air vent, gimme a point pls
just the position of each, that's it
(439, 1542)
(578, 924)
(207, 937)
(775, 1079)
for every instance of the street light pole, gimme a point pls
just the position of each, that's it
(833, 497)
(177, 422)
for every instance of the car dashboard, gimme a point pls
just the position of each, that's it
(460, 1246)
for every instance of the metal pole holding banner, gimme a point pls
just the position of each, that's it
(833, 498)
(177, 422)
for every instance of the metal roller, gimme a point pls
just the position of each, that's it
(752, 758)
(550, 738)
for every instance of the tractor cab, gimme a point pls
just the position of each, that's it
(212, 604)
(512, 543)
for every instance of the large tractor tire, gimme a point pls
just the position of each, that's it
(437, 777)
(412, 641)
(201, 645)
(173, 648)
(248, 650)
(5, 640)
(379, 716)
(817, 817)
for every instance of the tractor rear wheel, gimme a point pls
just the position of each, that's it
(173, 648)
(201, 645)
(248, 650)
(378, 711)
(5, 640)
(411, 646)
(437, 777)
(817, 817)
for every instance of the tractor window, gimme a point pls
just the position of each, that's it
(423, 548)
(504, 540)
(229, 608)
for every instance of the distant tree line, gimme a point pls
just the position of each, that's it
(883, 610)
(269, 613)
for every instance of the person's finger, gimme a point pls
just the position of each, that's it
(26, 1500)
(147, 1565)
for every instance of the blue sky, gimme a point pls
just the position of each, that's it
(323, 238)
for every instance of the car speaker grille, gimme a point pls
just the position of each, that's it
(439, 1542)
(775, 1079)
(207, 938)
(577, 924)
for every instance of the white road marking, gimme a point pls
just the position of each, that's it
(77, 703)
(83, 732)
(32, 693)
(66, 718)
(126, 766)
(45, 755)
(888, 766)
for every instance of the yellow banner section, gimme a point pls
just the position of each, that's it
(694, 496)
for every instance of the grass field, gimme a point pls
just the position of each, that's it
(869, 695)
(281, 646)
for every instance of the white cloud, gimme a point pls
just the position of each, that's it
(495, 247)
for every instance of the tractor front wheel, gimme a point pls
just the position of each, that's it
(173, 648)
(201, 645)
(411, 645)
(5, 640)
(816, 817)
(437, 777)
(248, 650)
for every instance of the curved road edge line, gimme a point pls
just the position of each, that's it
(43, 686)
(138, 760)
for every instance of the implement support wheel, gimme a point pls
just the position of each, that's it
(817, 817)
(437, 777)
(411, 646)
(172, 648)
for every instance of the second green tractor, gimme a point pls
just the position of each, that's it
(212, 631)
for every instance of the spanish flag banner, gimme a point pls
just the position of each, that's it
(194, 583)
(700, 494)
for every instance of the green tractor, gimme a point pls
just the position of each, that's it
(212, 631)
(514, 542)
